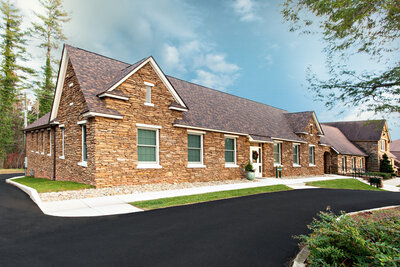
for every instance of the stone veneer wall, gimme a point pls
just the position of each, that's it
(112, 143)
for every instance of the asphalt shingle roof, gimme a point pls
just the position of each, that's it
(360, 130)
(44, 120)
(335, 138)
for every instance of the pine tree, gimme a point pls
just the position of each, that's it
(49, 31)
(12, 74)
(386, 166)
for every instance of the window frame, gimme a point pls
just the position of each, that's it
(279, 144)
(234, 163)
(312, 147)
(201, 163)
(50, 146)
(383, 145)
(148, 94)
(43, 139)
(361, 163)
(148, 164)
(83, 162)
(62, 142)
(297, 146)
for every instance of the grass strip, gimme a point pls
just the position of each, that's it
(191, 199)
(344, 184)
(45, 185)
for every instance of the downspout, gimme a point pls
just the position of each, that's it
(54, 153)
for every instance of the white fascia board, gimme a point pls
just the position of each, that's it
(335, 150)
(160, 75)
(178, 109)
(317, 123)
(114, 96)
(259, 141)
(142, 125)
(207, 129)
(281, 139)
(60, 85)
(96, 114)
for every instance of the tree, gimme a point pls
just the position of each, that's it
(386, 166)
(349, 28)
(49, 31)
(13, 75)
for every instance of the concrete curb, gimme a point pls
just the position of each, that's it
(32, 193)
(302, 256)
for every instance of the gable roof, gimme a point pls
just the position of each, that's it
(216, 110)
(203, 107)
(369, 130)
(338, 141)
(395, 146)
(299, 121)
(42, 121)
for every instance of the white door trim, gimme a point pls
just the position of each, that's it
(256, 165)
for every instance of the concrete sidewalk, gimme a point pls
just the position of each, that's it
(119, 204)
(388, 185)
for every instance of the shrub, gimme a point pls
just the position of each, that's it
(384, 175)
(249, 167)
(354, 242)
(385, 165)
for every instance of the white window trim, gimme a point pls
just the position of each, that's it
(43, 137)
(149, 165)
(83, 163)
(311, 164)
(234, 163)
(148, 104)
(298, 155)
(82, 122)
(278, 164)
(149, 87)
(49, 154)
(201, 163)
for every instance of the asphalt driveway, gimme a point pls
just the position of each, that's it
(248, 231)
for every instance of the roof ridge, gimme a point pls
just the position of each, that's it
(91, 52)
(228, 93)
(301, 112)
(353, 121)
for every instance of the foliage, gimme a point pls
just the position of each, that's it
(49, 31)
(385, 165)
(249, 167)
(365, 27)
(384, 175)
(45, 185)
(183, 200)
(350, 242)
(13, 77)
(343, 184)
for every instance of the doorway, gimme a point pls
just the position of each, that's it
(255, 158)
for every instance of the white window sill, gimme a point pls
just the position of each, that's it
(148, 166)
(196, 165)
(49, 155)
(231, 165)
(82, 163)
(61, 157)
(149, 104)
(42, 153)
(278, 165)
(32, 151)
(296, 165)
(37, 152)
(312, 165)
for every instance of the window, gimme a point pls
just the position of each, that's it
(62, 142)
(343, 164)
(49, 131)
(147, 146)
(296, 155)
(195, 149)
(37, 142)
(148, 94)
(311, 155)
(42, 142)
(311, 129)
(353, 163)
(277, 153)
(361, 163)
(84, 146)
(383, 145)
(230, 151)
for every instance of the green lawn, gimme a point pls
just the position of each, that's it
(183, 200)
(45, 185)
(344, 184)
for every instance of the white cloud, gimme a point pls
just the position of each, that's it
(269, 59)
(245, 9)
(217, 63)
(219, 81)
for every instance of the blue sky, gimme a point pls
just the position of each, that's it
(240, 46)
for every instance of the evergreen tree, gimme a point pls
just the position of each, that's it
(49, 31)
(12, 75)
(386, 166)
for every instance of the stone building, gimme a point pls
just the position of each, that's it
(114, 123)
(372, 138)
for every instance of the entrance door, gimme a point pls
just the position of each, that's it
(255, 158)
